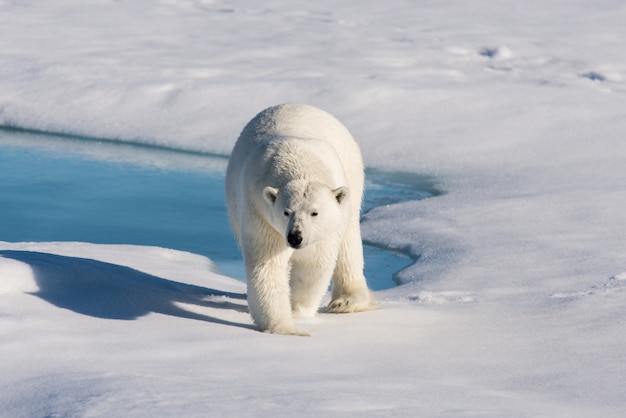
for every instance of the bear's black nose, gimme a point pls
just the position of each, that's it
(294, 239)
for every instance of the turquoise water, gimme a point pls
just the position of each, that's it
(62, 189)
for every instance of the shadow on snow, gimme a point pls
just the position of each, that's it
(111, 291)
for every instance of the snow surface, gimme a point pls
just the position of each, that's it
(517, 302)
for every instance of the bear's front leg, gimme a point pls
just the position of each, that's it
(268, 293)
(350, 291)
(311, 270)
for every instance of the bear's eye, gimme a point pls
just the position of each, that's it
(313, 213)
(286, 213)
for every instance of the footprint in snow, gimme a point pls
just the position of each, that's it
(500, 52)
(440, 298)
(605, 75)
(614, 284)
(594, 76)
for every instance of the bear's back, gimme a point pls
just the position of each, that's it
(302, 121)
(298, 121)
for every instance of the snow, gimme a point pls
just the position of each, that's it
(515, 305)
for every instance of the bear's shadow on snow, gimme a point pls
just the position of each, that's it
(111, 291)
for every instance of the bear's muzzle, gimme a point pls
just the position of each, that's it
(294, 239)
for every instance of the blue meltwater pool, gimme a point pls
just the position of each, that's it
(55, 188)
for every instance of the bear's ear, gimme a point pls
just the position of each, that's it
(269, 194)
(341, 194)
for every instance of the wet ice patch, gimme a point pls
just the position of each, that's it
(59, 188)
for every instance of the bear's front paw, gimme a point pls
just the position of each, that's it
(286, 330)
(354, 302)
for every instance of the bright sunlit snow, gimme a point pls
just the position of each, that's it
(516, 304)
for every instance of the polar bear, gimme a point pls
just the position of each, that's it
(294, 185)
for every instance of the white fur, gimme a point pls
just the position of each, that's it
(296, 175)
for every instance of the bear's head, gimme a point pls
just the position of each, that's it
(306, 212)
